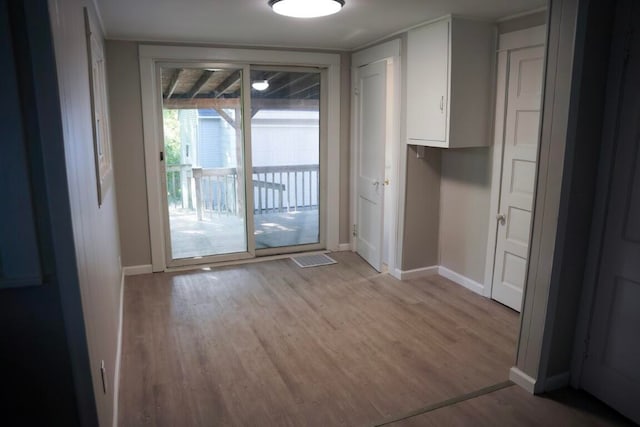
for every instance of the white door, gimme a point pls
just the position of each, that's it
(611, 370)
(372, 129)
(522, 121)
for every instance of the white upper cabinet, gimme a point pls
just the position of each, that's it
(449, 83)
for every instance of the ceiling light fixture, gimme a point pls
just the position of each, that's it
(260, 85)
(306, 8)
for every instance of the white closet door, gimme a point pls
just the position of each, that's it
(518, 174)
(372, 106)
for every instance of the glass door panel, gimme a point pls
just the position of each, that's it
(203, 158)
(285, 154)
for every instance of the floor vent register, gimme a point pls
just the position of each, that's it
(313, 260)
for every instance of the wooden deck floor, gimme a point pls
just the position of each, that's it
(271, 344)
(223, 234)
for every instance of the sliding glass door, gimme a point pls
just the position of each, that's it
(235, 182)
(285, 154)
(202, 117)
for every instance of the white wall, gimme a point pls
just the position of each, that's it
(95, 228)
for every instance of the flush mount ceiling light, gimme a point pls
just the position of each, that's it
(306, 8)
(260, 85)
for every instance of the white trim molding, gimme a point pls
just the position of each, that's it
(376, 53)
(343, 247)
(566, 39)
(134, 270)
(151, 55)
(522, 379)
(496, 172)
(523, 14)
(530, 37)
(534, 386)
(116, 373)
(433, 270)
(461, 280)
(416, 273)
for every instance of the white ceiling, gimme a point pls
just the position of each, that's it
(251, 22)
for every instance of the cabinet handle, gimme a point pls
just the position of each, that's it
(442, 104)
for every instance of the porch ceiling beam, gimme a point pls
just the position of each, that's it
(275, 76)
(202, 80)
(304, 89)
(285, 104)
(227, 117)
(174, 82)
(257, 104)
(313, 94)
(227, 83)
(286, 85)
(196, 103)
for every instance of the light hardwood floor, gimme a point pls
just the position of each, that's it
(272, 344)
(514, 407)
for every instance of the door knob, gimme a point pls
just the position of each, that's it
(386, 181)
(502, 218)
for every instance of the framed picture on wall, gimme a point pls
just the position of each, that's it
(99, 110)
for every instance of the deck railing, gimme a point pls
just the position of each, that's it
(217, 191)
(285, 188)
(179, 190)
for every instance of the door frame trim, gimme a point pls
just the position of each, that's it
(390, 52)
(528, 38)
(149, 55)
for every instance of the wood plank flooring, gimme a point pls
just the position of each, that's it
(515, 407)
(272, 344)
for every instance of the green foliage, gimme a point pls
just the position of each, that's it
(172, 153)
(172, 146)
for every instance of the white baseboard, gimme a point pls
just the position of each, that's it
(522, 379)
(557, 382)
(134, 270)
(344, 247)
(116, 374)
(461, 280)
(415, 273)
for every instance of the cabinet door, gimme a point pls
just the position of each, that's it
(427, 83)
